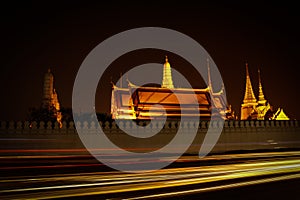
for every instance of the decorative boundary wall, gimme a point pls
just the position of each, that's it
(236, 135)
(68, 127)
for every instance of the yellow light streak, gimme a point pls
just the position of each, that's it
(116, 182)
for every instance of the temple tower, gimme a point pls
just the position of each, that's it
(47, 90)
(249, 102)
(50, 97)
(167, 81)
(263, 107)
(261, 96)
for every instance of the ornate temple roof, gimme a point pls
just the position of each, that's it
(139, 102)
(249, 97)
(280, 115)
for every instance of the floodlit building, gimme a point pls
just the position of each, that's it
(252, 109)
(50, 97)
(137, 102)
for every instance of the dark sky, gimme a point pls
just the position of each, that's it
(36, 36)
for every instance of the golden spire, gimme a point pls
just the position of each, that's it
(167, 81)
(249, 94)
(261, 97)
(208, 76)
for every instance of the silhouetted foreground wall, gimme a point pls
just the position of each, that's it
(39, 138)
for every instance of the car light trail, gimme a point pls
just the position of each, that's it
(112, 183)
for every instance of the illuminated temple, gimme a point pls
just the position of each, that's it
(252, 109)
(139, 102)
(50, 99)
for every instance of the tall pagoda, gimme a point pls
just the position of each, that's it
(249, 102)
(50, 98)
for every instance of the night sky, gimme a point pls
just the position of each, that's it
(36, 36)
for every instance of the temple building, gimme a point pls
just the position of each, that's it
(253, 109)
(137, 102)
(50, 98)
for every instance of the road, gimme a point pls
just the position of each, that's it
(239, 176)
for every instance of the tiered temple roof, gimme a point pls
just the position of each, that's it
(137, 102)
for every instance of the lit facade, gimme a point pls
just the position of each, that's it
(50, 97)
(137, 102)
(252, 109)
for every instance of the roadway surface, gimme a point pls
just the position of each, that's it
(264, 175)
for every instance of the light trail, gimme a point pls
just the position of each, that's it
(161, 159)
(210, 189)
(105, 183)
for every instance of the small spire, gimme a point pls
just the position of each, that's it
(259, 80)
(167, 81)
(247, 71)
(261, 97)
(111, 82)
(208, 76)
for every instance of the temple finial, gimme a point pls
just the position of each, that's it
(261, 96)
(249, 94)
(166, 58)
(247, 70)
(111, 82)
(208, 75)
